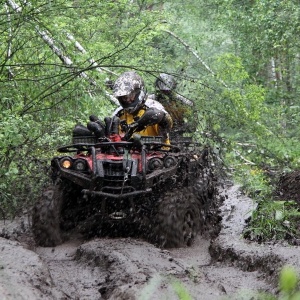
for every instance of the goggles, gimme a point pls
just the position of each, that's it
(127, 99)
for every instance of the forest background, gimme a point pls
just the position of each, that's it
(239, 61)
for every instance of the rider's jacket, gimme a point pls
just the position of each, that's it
(161, 129)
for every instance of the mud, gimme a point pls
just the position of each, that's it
(227, 267)
(288, 186)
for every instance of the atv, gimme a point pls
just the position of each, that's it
(102, 183)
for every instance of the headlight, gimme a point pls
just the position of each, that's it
(79, 165)
(66, 163)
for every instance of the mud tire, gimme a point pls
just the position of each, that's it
(46, 217)
(177, 219)
(209, 200)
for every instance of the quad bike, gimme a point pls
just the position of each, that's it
(103, 183)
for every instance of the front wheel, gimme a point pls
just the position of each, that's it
(177, 219)
(46, 217)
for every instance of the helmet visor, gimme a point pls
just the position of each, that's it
(127, 100)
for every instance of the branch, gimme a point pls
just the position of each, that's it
(14, 6)
(195, 54)
(9, 47)
(80, 48)
(248, 162)
(65, 59)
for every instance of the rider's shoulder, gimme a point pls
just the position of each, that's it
(117, 111)
(150, 102)
(152, 97)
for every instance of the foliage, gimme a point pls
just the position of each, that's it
(274, 220)
(25, 151)
(288, 283)
(181, 291)
(254, 181)
(271, 220)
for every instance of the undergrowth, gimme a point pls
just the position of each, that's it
(272, 219)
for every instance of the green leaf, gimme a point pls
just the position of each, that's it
(288, 279)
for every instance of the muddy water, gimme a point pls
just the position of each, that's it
(134, 269)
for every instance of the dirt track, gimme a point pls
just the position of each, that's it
(134, 269)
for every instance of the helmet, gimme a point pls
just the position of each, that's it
(165, 82)
(130, 84)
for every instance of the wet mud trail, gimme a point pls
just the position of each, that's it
(126, 268)
(133, 269)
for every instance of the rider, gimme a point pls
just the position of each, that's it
(179, 107)
(142, 115)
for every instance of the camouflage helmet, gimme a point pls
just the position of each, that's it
(165, 82)
(128, 83)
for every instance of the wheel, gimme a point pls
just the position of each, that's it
(46, 217)
(177, 219)
(209, 200)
